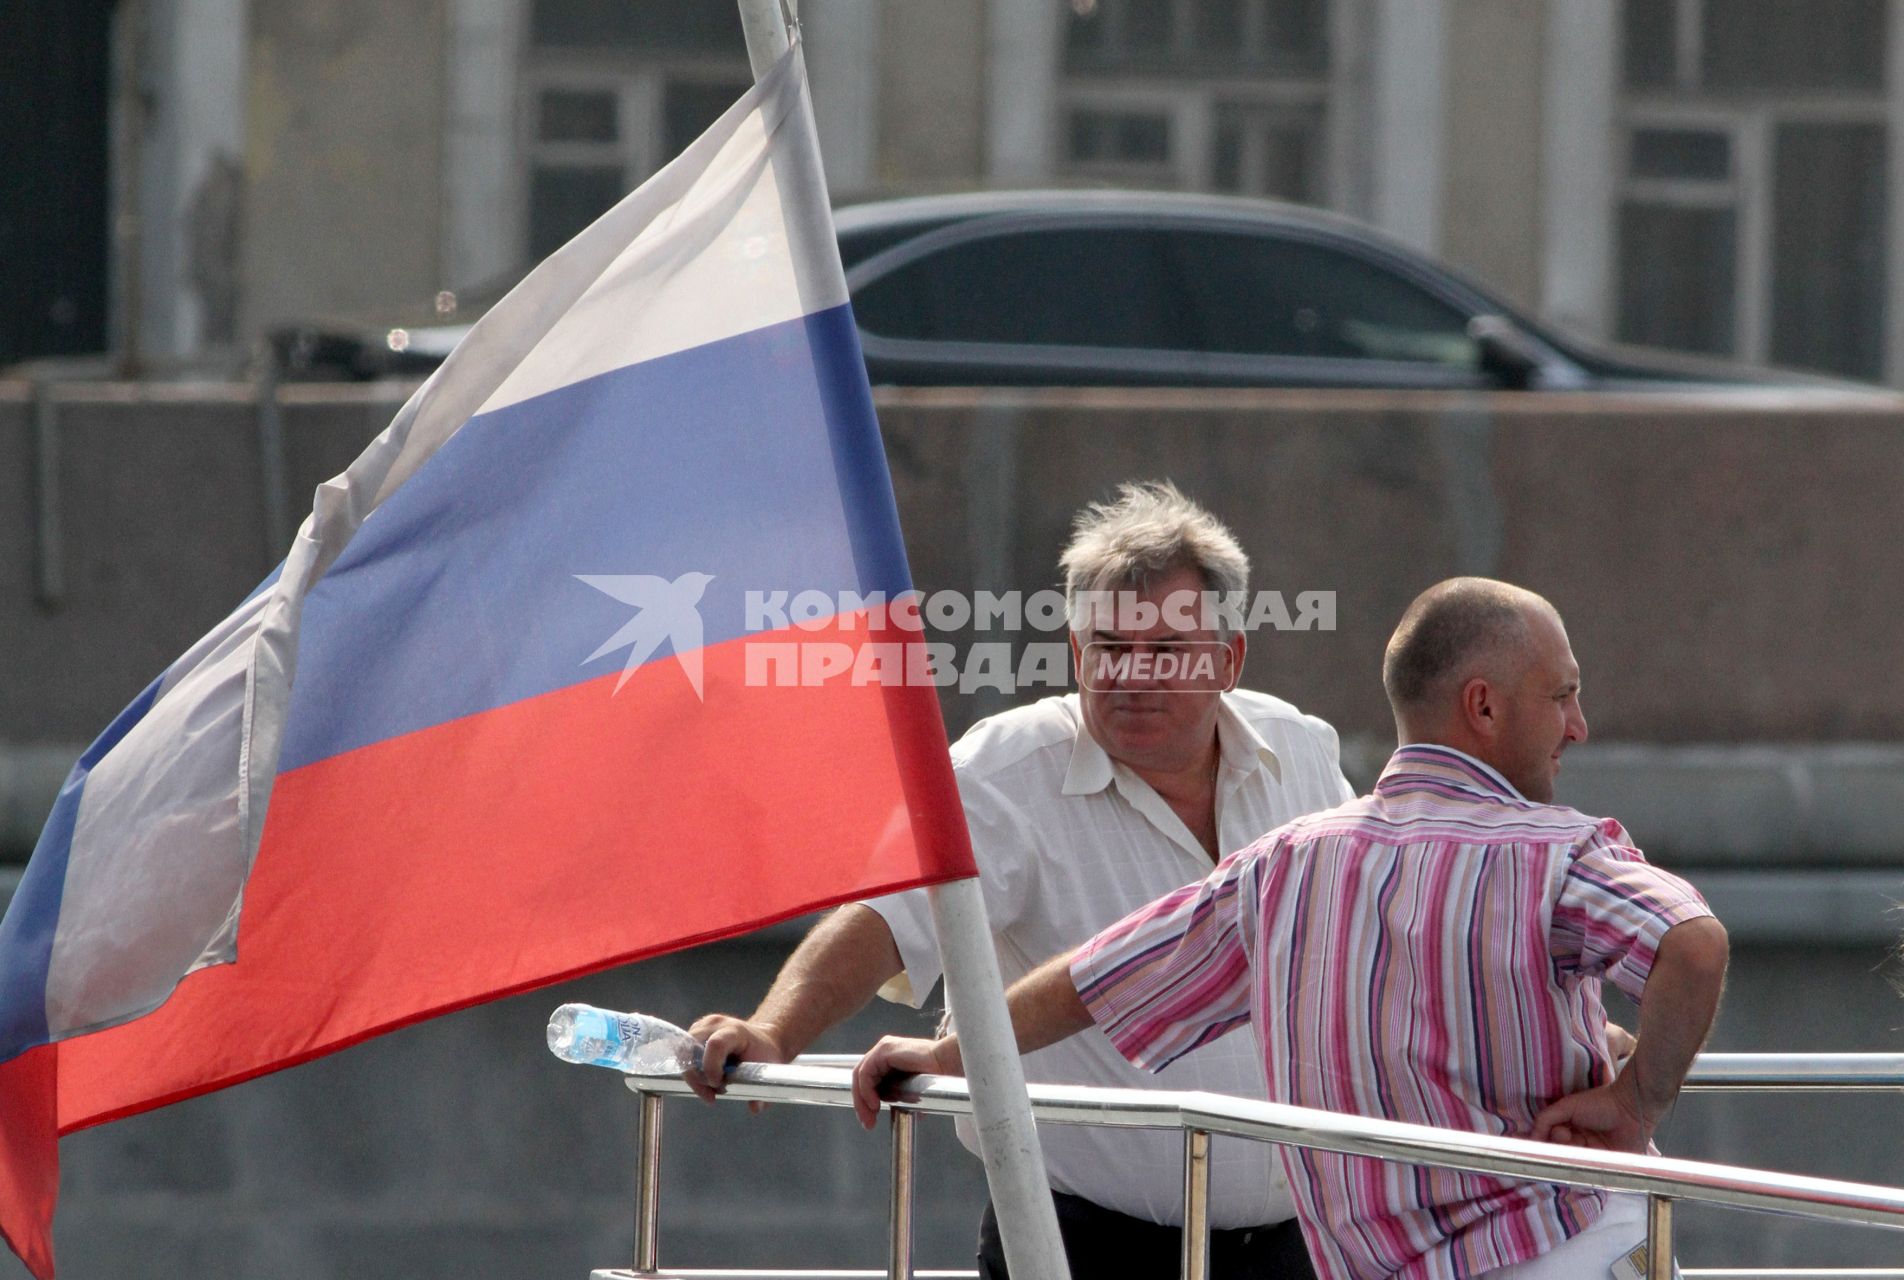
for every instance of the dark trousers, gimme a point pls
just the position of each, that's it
(1102, 1244)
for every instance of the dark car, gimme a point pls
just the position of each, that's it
(1137, 288)
(1122, 288)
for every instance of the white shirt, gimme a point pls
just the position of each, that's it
(1069, 841)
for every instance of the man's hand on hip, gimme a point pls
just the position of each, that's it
(1606, 1119)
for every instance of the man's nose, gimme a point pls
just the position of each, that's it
(1577, 725)
(1144, 672)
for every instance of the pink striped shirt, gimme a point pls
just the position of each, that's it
(1432, 953)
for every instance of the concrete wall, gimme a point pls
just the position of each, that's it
(1726, 574)
(1726, 571)
(931, 108)
(344, 147)
(1493, 143)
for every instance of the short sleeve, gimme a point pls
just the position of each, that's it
(1174, 975)
(1003, 846)
(1332, 748)
(1613, 909)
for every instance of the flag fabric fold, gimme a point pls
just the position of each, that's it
(496, 721)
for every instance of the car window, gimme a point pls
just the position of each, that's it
(1260, 295)
(1091, 287)
(1176, 289)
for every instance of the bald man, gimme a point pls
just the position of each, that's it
(1432, 952)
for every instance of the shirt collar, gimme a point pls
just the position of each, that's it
(1420, 763)
(1242, 749)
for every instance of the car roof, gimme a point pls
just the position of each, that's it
(940, 209)
(885, 222)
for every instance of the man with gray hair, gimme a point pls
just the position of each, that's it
(1433, 952)
(1083, 808)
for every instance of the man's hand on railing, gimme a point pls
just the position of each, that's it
(726, 1039)
(1606, 1119)
(900, 1056)
(832, 973)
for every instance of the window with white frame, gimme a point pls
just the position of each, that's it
(1217, 95)
(613, 90)
(1753, 206)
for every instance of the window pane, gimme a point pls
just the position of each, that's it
(1681, 153)
(564, 115)
(639, 25)
(1217, 28)
(687, 109)
(1768, 45)
(1198, 37)
(1676, 276)
(1119, 137)
(1296, 34)
(1651, 44)
(1226, 161)
(1149, 30)
(1828, 247)
(1085, 29)
(1289, 164)
(1258, 295)
(1090, 287)
(1269, 151)
(565, 198)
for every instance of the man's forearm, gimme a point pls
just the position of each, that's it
(831, 975)
(1044, 1006)
(1676, 1011)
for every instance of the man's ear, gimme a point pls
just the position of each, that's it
(1239, 649)
(1477, 708)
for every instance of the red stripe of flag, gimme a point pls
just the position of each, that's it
(558, 836)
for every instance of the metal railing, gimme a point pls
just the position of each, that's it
(826, 1080)
(1792, 1072)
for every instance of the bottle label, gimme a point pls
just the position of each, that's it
(605, 1039)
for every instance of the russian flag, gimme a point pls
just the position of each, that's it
(494, 722)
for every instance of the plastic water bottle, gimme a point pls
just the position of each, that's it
(631, 1042)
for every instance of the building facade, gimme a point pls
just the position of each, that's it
(1713, 175)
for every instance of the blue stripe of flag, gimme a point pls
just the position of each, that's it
(755, 459)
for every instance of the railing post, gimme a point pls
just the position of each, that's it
(1196, 1204)
(1659, 1238)
(648, 1187)
(899, 1256)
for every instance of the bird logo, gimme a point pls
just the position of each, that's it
(667, 611)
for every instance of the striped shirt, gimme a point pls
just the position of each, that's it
(1432, 953)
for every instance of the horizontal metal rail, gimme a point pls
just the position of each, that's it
(759, 1273)
(1418, 1144)
(1779, 1072)
(1711, 1072)
(826, 1080)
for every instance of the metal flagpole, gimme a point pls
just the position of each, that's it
(1007, 1139)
